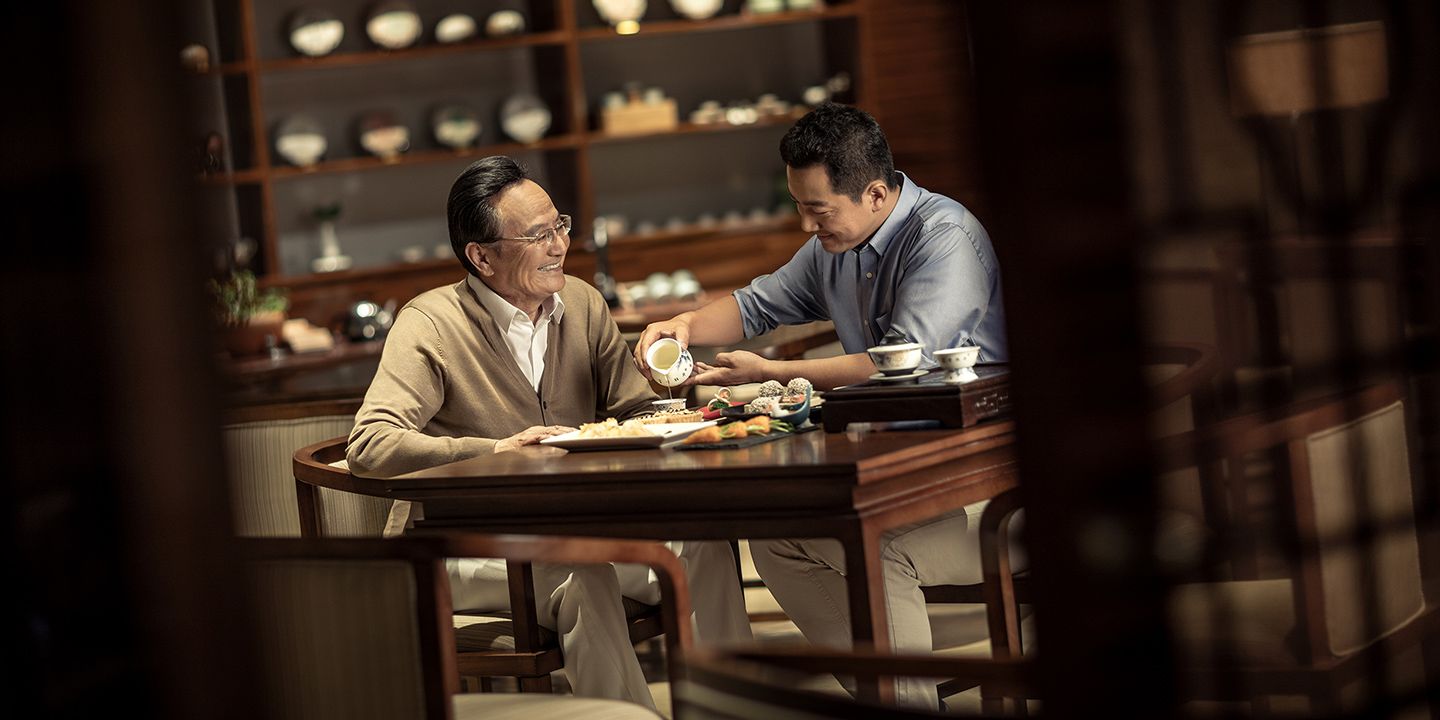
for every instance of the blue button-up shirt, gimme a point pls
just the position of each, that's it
(929, 273)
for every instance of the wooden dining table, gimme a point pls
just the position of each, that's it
(850, 486)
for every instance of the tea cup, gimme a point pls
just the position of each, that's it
(665, 404)
(897, 359)
(669, 363)
(959, 363)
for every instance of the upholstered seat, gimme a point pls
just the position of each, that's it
(354, 629)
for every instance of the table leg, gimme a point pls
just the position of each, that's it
(869, 621)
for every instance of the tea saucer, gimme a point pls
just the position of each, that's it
(882, 377)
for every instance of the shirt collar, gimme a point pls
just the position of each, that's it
(505, 313)
(904, 205)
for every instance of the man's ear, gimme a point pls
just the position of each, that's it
(875, 195)
(477, 255)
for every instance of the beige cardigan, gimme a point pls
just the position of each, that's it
(448, 387)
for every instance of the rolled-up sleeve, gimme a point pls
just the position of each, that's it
(788, 296)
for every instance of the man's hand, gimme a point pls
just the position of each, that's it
(732, 368)
(677, 327)
(530, 436)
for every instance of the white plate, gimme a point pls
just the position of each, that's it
(664, 434)
(882, 377)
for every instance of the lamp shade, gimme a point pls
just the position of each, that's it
(1280, 73)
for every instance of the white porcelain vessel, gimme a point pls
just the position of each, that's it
(898, 359)
(959, 363)
(697, 9)
(524, 118)
(669, 363)
(314, 32)
(454, 28)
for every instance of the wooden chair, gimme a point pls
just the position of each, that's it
(357, 628)
(260, 444)
(1339, 609)
(1345, 595)
(490, 644)
(1179, 375)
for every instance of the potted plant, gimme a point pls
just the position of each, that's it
(247, 315)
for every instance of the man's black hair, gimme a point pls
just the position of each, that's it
(847, 141)
(471, 207)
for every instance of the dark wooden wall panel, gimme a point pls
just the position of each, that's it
(923, 94)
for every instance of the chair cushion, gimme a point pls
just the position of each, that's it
(1250, 622)
(493, 631)
(517, 706)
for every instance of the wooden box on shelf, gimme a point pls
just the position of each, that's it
(637, 117)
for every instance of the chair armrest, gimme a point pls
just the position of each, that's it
(1013, 677)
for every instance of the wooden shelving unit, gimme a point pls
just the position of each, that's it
(565, 36)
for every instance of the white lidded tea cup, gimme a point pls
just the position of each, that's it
(897, 359)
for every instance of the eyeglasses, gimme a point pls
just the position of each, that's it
(550, 235)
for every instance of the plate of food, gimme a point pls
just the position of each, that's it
(631, 434)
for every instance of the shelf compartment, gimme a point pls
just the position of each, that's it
(366, 273)
(718, 24)
(696, 232)
(352, 59)
(352, 164)
(685, 128)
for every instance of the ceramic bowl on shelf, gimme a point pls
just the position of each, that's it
(314, 32)
(697, 9)
(382, 134)
(504, 22)
(524, 118)
(195, 58)
(393, 25)
(456, 126)
(620, 11)
(300, 140)
(456, 27)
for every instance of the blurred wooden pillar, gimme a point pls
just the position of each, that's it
(122, 593)
(1052, 143)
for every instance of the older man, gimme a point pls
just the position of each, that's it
(514, 353)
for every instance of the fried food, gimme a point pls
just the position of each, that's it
(612, 428)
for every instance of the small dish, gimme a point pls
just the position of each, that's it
(882, 377)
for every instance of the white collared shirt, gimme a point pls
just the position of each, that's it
(528, 341)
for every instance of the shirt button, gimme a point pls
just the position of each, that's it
(869, 275)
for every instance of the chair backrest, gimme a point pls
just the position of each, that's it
(1359, 481)
(351, 629)
(1343, 476)
(259, 442)
(341, 507)
(1179, 377)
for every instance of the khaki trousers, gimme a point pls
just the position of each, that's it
(807, 578)
(581, 603)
